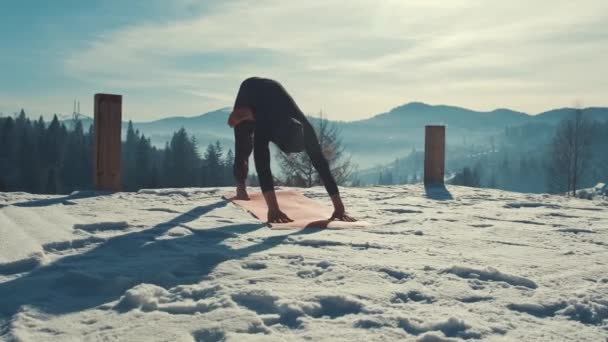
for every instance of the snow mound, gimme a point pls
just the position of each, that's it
(22, 265)
(585, 310)
(181, 300)
(600, 191)
(452, 327)
(26, 233)
(490, 274)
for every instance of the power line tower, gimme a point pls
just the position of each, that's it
(75, 113)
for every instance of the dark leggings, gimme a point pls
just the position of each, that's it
(244, 145)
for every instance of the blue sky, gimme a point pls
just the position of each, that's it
(350, 59)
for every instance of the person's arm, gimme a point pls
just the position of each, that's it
(261, 155)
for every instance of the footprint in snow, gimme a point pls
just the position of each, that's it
(394, 275)
(402, 211)
(475, 299)
(481, 225)
(253, 265)
(102, 226)
(412, 296)
(490, 274)
(289, 314)
(319, 269)
(575, 231)
(209, 335)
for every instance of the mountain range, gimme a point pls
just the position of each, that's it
(380, 138)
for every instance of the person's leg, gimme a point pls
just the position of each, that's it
(313, 149)
(243, 146)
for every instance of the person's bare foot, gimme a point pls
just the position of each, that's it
(241, 193)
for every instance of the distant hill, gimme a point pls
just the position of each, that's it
(394, 133)
(386, 136)
(212, 122)
(556, 115)
(417, 113)
(207, 128)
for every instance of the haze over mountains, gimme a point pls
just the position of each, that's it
(381, 138)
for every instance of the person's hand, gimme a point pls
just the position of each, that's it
(277, 216)
(340, 215)
(241, 193)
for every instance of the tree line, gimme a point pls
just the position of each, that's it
(51, 158)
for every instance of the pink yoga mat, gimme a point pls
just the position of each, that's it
(305, 212)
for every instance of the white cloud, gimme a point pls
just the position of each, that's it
(357, 58)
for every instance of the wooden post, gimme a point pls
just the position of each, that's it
(108, 125)
(434, 155)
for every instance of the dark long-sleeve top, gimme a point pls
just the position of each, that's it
(271, 105)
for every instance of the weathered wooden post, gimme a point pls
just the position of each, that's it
(108, 122)
(434, 155)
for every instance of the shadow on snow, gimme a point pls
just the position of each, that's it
(104, 273)
(438, 192)
(64, 199)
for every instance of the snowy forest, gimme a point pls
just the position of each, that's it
(37, 157)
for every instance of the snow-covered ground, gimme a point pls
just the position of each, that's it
(184, 265)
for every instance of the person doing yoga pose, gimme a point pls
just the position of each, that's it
(264, 112)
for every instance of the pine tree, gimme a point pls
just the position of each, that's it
(39, 131)
(128, 154)
(8, 170)
(21, 121)
(183, 160)
(54, 142)
(143, 164)
(75, 171)
(154, 178)
(212, 165)
(51, 182)
(28, 162)
(167, 168)
(228, 166)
